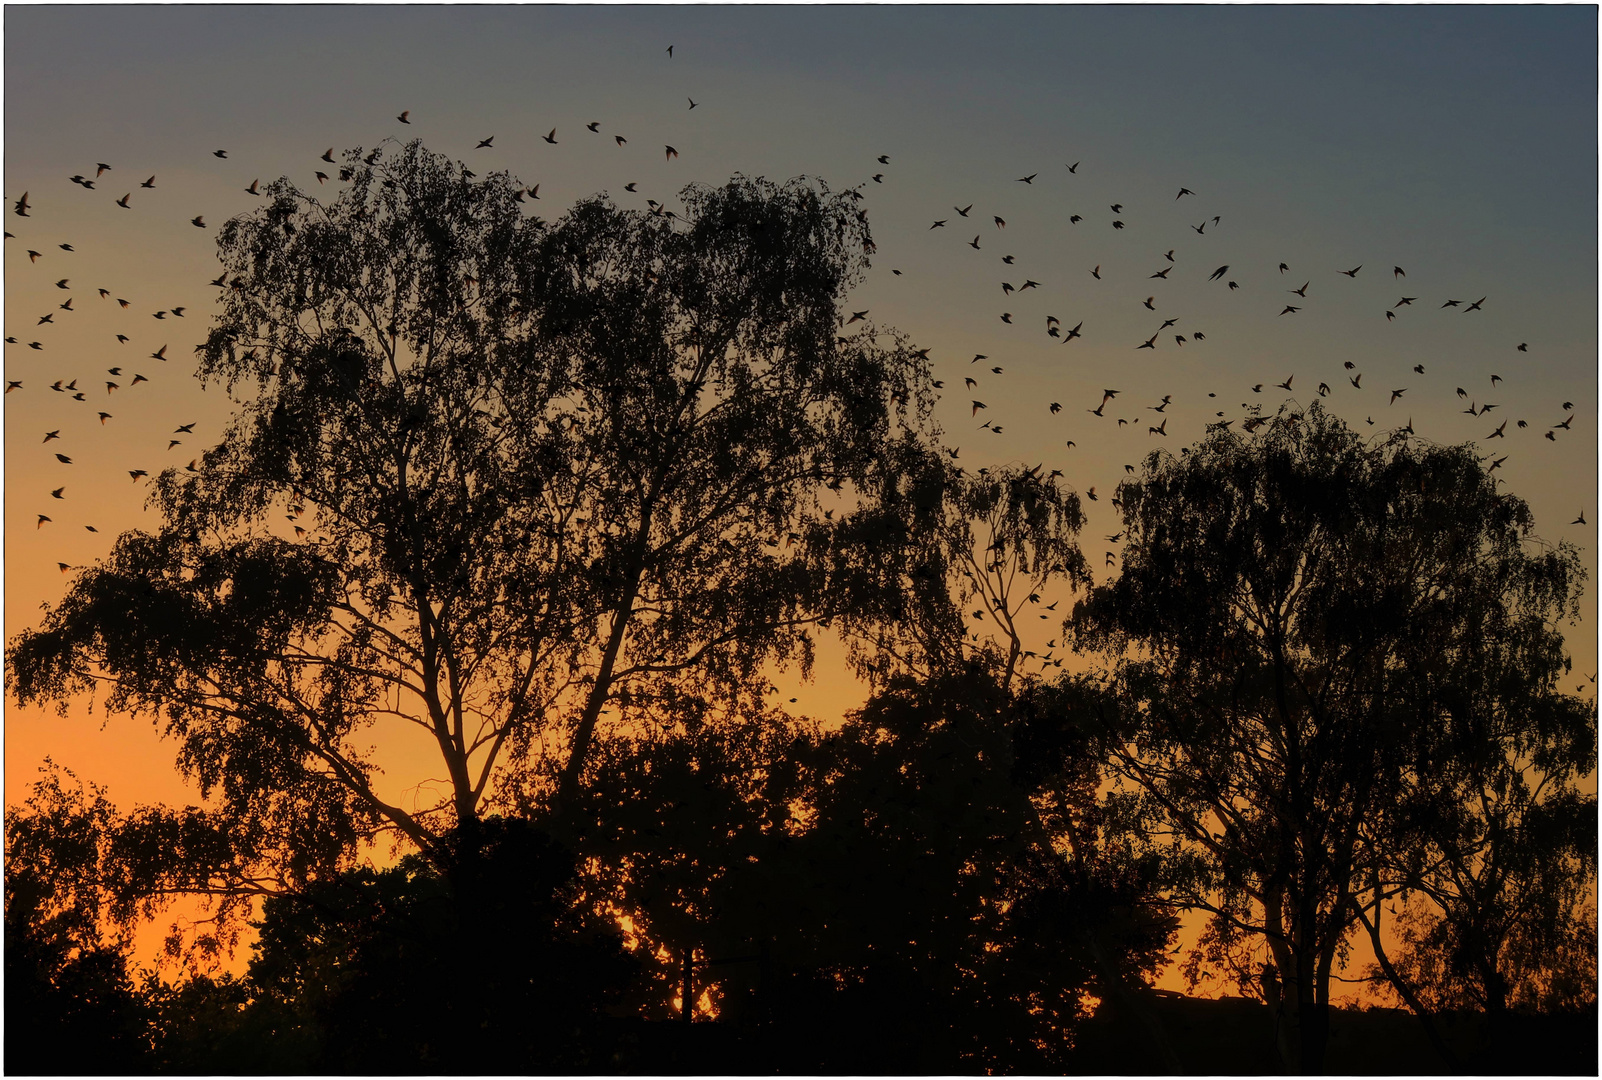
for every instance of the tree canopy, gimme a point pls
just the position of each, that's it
(1312, 637)
(542, 477)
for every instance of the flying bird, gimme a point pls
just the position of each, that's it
(671, 153)
(1220, 272)
(405, 116)
(198, 221)
(1396, 394)
(1182, 193)
(1353, 271)
(551, 138)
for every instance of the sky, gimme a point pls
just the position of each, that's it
(1456, 143)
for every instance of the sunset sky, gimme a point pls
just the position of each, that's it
(1458, 144)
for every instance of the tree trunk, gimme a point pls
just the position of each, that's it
(1405, 990)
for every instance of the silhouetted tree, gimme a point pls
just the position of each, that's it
(1498, 898)
(1298, 636)
(71, 1007)
(970, 553)
(886, 890)
(545, 477)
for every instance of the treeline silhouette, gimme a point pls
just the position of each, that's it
(564, 495)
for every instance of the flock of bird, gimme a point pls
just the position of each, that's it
(1014, 282)
(1168, 270)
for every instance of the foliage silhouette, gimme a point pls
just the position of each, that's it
(557, 476)
(71, 1007)
(1303, 637)
(518, 970)
(886, 887)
